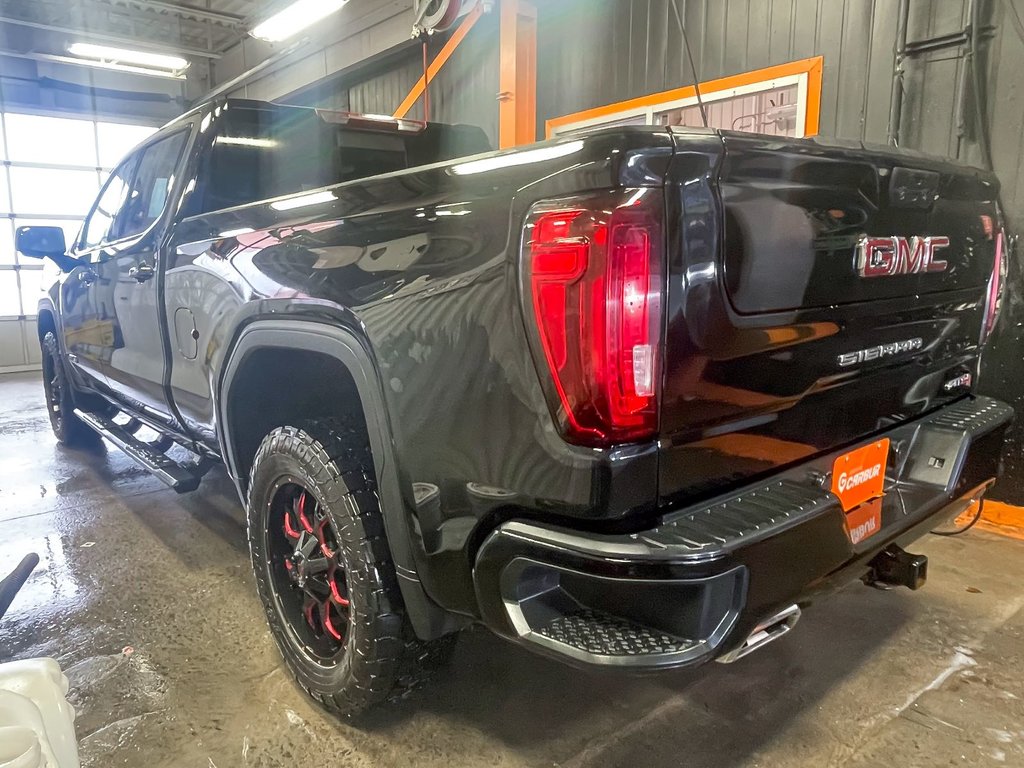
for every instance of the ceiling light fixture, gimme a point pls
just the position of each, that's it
(104, 65)
(108, 55)
(295, 18)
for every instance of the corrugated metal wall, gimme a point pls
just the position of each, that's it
(611, 50)
(595, 52)
(383, 92)
(464, 91)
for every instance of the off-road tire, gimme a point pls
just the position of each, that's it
(382, 659)
(60, 399)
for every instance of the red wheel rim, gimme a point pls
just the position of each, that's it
(307, 573)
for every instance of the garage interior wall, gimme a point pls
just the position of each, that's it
(464, 91)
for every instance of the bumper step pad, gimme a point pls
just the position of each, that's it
(600, 634)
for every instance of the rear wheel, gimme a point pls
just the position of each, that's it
(60, 405)
(324, 572)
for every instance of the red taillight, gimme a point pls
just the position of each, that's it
(995, 287)
(592, 270)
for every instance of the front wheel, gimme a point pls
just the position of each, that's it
(324, 572)
(60, 405)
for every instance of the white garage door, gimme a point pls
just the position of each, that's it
(53, 170)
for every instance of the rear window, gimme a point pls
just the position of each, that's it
(260, 153)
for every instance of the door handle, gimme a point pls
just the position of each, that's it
(142, 272)
(87, 277)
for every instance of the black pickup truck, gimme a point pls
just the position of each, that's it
(630, 398)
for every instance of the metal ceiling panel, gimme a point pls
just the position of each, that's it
(197, 28)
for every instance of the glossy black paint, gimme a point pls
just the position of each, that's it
(787, 556)
(110, 299)
(764, 297)
(420, 267)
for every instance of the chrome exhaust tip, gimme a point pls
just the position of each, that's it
(766, 632)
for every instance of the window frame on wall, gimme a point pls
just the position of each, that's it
(804, 73)
(98, 139)
(13, 215)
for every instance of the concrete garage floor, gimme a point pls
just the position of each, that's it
(146, 598)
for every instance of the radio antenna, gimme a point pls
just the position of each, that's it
(693, 69)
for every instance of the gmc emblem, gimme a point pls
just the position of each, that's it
(889, 256)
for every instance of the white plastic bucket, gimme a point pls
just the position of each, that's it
(37, 725)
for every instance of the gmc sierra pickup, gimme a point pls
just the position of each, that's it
(630, 398)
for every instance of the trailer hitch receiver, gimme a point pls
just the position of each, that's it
(895, 567)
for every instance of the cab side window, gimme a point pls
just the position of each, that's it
(152, 185)
(100, 227)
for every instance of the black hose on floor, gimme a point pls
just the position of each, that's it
(10, 586)
(966, 528)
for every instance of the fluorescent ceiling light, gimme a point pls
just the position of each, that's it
(314, 198)
(295, 18)
(107, 65)
(123, 56)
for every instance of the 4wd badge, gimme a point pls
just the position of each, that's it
(889, 256)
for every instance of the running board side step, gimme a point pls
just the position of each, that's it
(182, 478)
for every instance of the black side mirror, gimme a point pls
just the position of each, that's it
(45, 243)
(41, 242)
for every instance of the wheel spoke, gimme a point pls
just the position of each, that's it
(339, 592)
(289, 527)
(336, 595)
(325, 615)
(300, 511)
(323, 528)
(317, 566)
(310, 611)
(317, 588)
(306, 545)
(55, 396)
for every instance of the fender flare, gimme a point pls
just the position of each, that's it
(46, 305)
(74, 374)
(428, 619)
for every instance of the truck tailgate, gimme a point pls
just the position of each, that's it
(817, 295)
(793, 223)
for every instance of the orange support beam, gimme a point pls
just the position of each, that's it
(517, 110)
(442, 58)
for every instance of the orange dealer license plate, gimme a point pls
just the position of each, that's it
(858, 477)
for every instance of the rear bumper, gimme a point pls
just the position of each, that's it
(697, 585)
